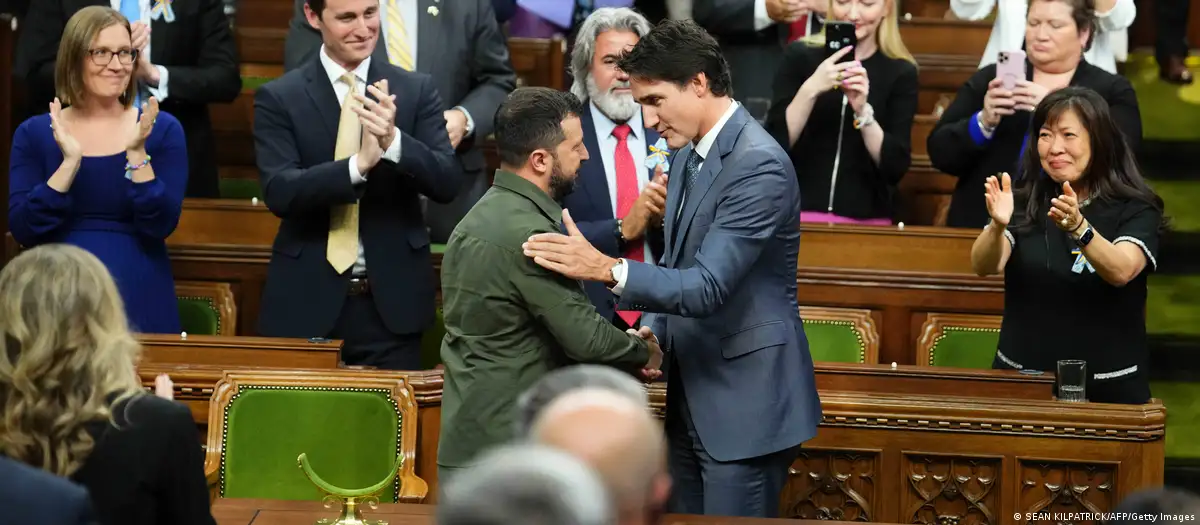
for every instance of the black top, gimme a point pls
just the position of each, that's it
(1055, 307)
(956, 146)
(862, 190)
(148, 468)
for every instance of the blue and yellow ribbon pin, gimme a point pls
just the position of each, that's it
(1081, 262)
(162, 9)
(658, 155)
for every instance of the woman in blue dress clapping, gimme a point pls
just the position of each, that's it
(104, 174)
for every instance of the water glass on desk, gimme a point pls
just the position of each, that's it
(1072, 380)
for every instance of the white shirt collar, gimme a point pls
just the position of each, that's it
(335, 71)
(710, 138)
(605, 125)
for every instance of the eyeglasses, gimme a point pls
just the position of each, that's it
(103, 57)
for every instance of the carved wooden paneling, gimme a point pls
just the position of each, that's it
(832, 484)
(951, 489)
(1067, 489)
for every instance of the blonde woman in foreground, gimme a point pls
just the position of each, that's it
(72, 401)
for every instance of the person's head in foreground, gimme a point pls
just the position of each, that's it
(553, 385)
(681, 79)
(604, 35)
(620, 440)
(96, 60)
(1078, 143)
(526, 485)
(539, 137)
(66, 358)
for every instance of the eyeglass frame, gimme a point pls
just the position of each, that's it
(95, 53)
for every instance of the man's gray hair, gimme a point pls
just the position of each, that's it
(526, 485)
(532, 401)
(601, 20)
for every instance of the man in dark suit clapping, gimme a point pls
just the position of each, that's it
(346, 144)
(460, 45)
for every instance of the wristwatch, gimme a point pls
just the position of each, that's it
(612, 272)
(1086, 236)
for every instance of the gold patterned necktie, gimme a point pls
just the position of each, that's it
(396, 35)
(342, 248)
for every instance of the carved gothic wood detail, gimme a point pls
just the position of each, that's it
(1066, 489)
(951, 490)
(831, 484)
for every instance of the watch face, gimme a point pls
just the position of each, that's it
(1086, 237)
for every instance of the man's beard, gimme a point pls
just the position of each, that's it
(560, 185)
(617, 107)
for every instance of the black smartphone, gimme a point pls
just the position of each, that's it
(839, 35)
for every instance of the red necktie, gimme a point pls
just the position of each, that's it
(627, 194)
(799, 29)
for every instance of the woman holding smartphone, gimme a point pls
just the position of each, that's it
(984, 130)
(845, 115)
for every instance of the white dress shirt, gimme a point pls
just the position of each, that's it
(160, 91)
(392, 153)
(636, 141)
(620, 271)
(1008, 31)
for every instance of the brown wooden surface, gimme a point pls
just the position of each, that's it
(161, 349)
(412, 488)
(279, 512)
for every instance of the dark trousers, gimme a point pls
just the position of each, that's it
(703, 485)
(1170, 28)
(368, 342)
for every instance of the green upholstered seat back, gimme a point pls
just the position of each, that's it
(243, 189)
(1182, 399)
(351, 436)
(964, 347)
(199, 315)
(836, 341)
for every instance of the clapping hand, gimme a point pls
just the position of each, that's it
(378, 117)
(1064, 210)
(648, 208)
(653, 369)
(999, 197)
(144, 126)
(831, 74)
(70, 147)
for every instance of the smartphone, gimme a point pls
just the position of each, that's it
(1010, 68)
(839, 35)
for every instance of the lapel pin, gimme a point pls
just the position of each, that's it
(658, 155)
(162, 9)
(433, 10)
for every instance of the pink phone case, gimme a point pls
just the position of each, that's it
(1010, 68)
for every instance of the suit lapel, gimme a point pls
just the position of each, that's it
(428, 32)
(713, 164)
(159, 32)
(593, 179)
(674, 191)
(321, 94)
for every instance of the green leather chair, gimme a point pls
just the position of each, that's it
(206, 308)
(351, 424)
(959, 340)
(841, 335)
(1182, 399)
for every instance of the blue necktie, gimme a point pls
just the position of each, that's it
(691, 172)
(132, 10)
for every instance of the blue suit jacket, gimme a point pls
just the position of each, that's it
(30, 495)
(725, 297)
(592, 211)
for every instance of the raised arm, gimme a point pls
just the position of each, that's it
(158, 189)
(36, 210)
(889, 142)
(288, 187)
(958, 140)
(1115, 15)
(214, 77)
(972, 9)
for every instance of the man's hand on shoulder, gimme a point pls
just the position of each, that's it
(570, 255)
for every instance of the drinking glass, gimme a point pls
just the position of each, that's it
(1072, 380)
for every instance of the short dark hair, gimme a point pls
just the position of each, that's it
(317, 6)
(531, 119)
(676, 51)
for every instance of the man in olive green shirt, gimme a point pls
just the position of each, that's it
(508, 320)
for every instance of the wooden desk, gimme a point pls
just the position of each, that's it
(233, 352)
(278, 512)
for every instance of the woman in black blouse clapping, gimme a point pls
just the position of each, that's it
(846, 125)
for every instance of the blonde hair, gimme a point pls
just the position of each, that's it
(888, 34)
(75, 47)
(66, 355)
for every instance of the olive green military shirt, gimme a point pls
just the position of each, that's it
(509, 321)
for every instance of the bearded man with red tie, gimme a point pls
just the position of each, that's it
(618, 201)
(752, 34)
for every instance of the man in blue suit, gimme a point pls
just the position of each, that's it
(30, 495)
(741, 394)
(616, 203)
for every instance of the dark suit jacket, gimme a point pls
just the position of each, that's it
(32, 495)
(592, 211)
(295, 130)
(464, 51)
(197, 49)
(754, 56)
(724, 299)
